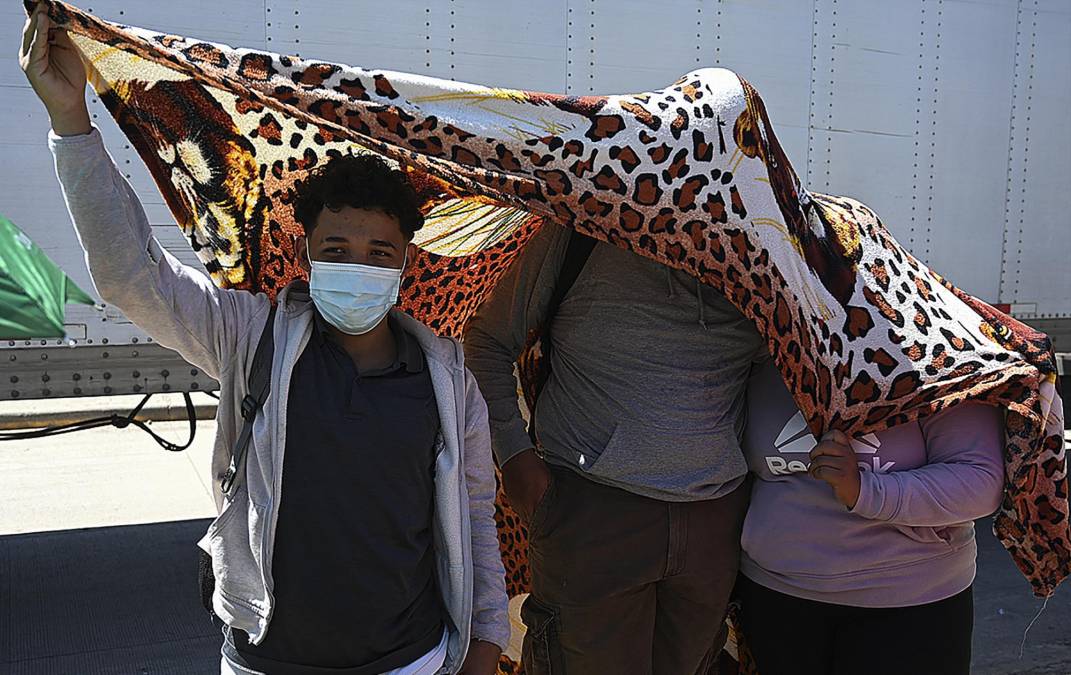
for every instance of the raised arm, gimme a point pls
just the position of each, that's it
(177, 305)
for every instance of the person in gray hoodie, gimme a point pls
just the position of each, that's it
(359, 534)
(633, 493)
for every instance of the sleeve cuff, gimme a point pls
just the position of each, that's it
(510, 440)
(499, 637)
(77, 140)
(879, 496)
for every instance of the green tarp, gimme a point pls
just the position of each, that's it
(33, 291)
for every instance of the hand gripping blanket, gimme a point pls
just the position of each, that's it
(865, 336)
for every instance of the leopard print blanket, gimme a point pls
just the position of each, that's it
(865, 335)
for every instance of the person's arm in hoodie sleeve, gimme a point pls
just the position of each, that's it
(962, 480)
(497, 333)
(490, 619)
(176, 304)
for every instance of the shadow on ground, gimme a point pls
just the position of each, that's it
(124, 601)
(105, 601)
(1004, 607)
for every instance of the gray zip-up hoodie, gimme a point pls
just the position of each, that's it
(217, 330)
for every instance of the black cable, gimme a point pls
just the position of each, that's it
(118, 421)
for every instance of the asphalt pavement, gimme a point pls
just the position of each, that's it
(98, 565)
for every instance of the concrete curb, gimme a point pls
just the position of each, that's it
(56, 412)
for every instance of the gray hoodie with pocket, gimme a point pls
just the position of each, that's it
(648, 371)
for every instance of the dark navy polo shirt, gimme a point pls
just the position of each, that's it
(354, 560)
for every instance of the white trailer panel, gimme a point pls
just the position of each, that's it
(950, 118)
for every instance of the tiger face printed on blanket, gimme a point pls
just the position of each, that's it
(692, 176)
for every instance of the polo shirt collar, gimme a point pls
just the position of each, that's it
(409, 351)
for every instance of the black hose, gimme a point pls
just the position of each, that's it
(118, 421)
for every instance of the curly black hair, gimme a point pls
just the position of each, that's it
(361, 182)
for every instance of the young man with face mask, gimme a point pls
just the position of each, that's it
(358, 535)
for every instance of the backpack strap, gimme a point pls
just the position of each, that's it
(259, 384)
(577, 253)
(576, 256)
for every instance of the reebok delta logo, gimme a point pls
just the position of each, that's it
(796, 438)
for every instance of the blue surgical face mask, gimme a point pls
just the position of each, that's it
(351, 297)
